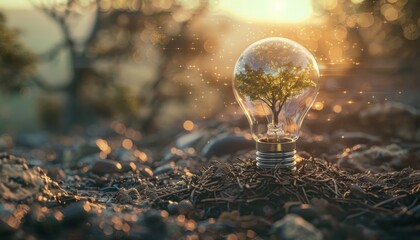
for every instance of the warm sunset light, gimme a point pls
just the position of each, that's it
(209, 119)
(269, 10)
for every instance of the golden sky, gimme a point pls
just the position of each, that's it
(250, 10)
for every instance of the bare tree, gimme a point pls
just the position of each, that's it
(16, 61)
(114, 37)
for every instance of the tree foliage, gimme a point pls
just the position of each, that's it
(16, 62)
(274, 89)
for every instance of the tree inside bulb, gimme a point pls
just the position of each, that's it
(276, 81)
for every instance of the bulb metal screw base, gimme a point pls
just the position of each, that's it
(276, 154)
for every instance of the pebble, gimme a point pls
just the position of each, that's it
(6, 142)
(33, 140)
(185, 206)
(173, 208)
(55, 173)
(42, 221)
(164, 169)
(5, 226)
(293, 227)
(128, 166)
(325, 221)
(227, 145)
(101, 167)
(75, 214)
(171, 157)
(35, 162)
(144, 171)
(155, 227)
(213, 227)
(306, 211)
(190, 139)
(122, 155)
(85, 149)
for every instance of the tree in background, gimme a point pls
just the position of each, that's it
(16, 61)
(121, 32)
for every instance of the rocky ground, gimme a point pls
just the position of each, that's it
(357, 178)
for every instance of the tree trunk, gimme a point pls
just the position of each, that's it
(72, 106)
(71, 109)
(275, 114)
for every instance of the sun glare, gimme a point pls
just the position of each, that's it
(268, 10)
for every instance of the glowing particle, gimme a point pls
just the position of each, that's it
(411, 31)
(87, 207)
(119, 166)
(188, 125)
(118, 127)
(141, 155)
(58, 216)
(318, 106)
(389, 12)
(337, 108)
(164, 214)
(103, 145)
(127, 144)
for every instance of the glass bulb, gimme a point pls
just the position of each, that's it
(276, 81)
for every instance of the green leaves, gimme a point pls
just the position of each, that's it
(274, 88)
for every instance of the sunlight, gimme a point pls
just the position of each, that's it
(268, 10)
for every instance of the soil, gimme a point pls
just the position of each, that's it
(111, 182)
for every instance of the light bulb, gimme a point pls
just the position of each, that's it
(276, 81)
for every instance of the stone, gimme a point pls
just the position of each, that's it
(75, 214)
(215, 226)
(86, 149)
(33, 140)
(18, 182)
(293, 227)
(101, 167)
(155, 227)
(55, 173)
(171, 157)
(164, 169)
(122, 155)
(190, 139)
(42, 221)
(6, 142)
(127, 196)
(227, 144)
(128, 166)
(144, 171)
(7, 227)
(34, 162)
(185, 206)
(392, 119)
(360, 158)
(305, 211)
(173, 208)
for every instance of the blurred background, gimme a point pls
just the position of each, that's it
(159, 64)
